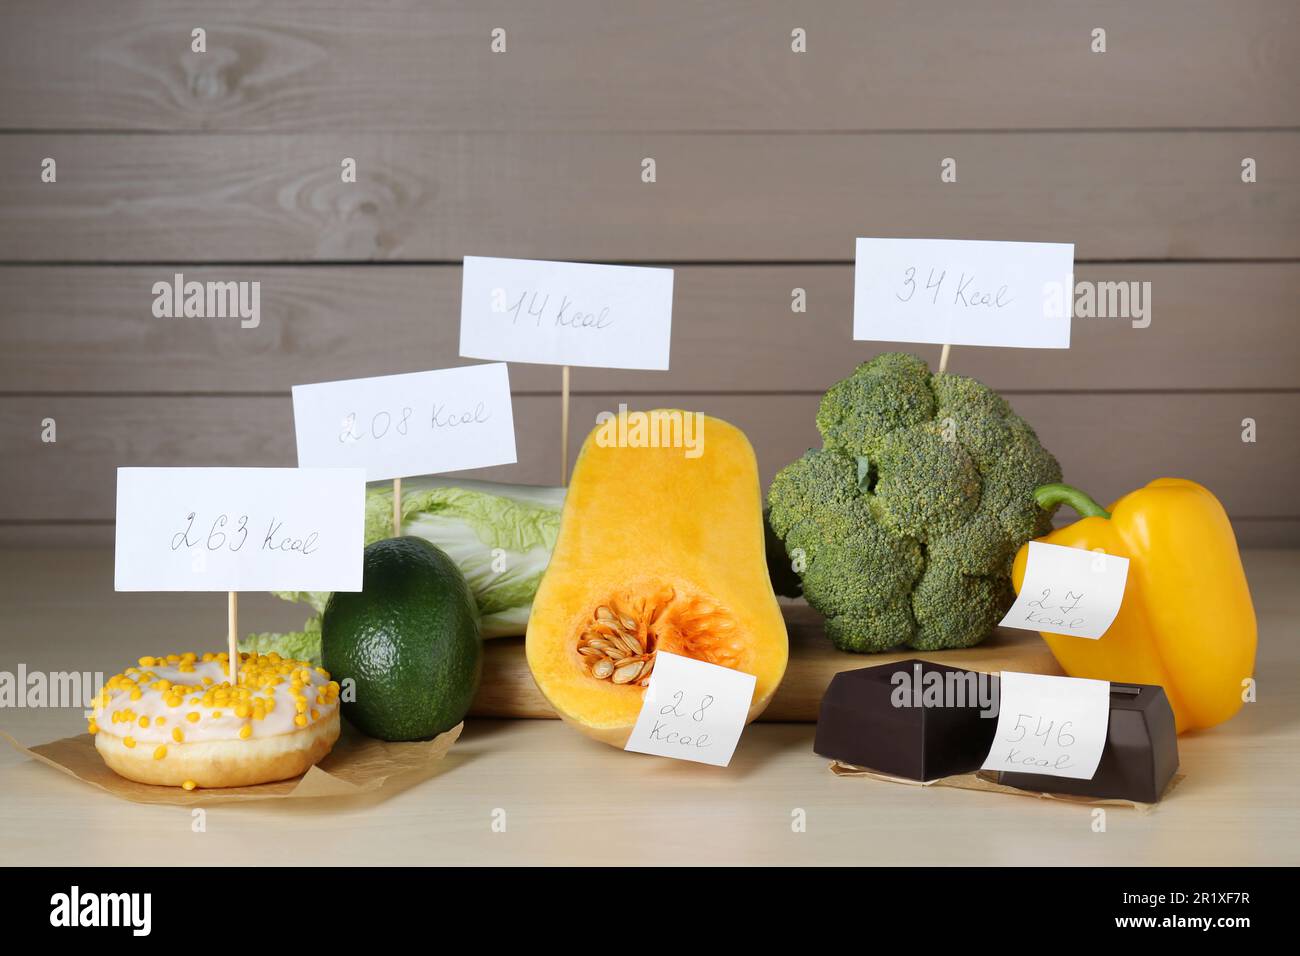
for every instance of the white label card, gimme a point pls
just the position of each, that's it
(692, 711)
(414, 424)
(1068, 591)
(962, 292)
(240, 529)
(566, 313)
(1050, 725)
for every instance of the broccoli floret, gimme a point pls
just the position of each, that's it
(903, 526)
(884, 395)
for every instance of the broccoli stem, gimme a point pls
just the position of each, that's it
(1057, 493)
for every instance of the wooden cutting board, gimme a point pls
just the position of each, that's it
(508, 689)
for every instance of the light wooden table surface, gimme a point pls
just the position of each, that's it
(570, 801)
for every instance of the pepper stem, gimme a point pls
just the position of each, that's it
(1049, 496)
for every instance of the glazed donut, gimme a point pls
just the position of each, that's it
(176, 721)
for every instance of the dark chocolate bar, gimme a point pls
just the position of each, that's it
(884, 719)
(1141, 754)
(862, 723)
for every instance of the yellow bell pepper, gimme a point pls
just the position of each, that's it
(1186, 621)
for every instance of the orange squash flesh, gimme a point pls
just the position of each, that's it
(676, 544)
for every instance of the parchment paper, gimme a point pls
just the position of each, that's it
(987, 781)
(357, 765)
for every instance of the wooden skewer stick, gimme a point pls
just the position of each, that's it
(232, 638)
(397, 507)
(564, 426)
(943, 358)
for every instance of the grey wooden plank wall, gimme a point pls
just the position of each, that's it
(225, 165)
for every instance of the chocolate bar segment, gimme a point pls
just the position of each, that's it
(878, 717)
(1140, 757)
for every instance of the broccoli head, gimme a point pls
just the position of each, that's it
(903, 526)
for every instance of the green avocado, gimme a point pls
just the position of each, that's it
(409, 639)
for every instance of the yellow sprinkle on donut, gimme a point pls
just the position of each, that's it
(192, 716)
(144, 720)
(189, 785)
(245, 731)
(128, 741)
(160, 751)
(177, 735)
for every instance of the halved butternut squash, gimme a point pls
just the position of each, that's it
(661, 548)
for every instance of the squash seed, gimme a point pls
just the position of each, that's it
(626, 673)
(619, 642)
